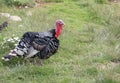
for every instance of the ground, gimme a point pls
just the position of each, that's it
(89, 45)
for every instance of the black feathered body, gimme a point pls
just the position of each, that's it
(51, 46)
(27, 49)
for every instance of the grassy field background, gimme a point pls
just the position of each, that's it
(90, 42)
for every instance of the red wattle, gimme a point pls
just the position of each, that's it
(58, 31)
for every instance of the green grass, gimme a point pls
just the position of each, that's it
(89, 43)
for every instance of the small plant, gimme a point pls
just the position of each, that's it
(9, 43)
(84, 4)
(53, 0)
(101, 1)
(19, 2)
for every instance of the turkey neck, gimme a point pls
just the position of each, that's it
(58, 30)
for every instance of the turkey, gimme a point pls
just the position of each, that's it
(41, 44)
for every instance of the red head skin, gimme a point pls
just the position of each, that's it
(59, 27)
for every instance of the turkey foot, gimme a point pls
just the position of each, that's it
(41, 62)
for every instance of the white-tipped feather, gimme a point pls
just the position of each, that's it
(5, 59)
